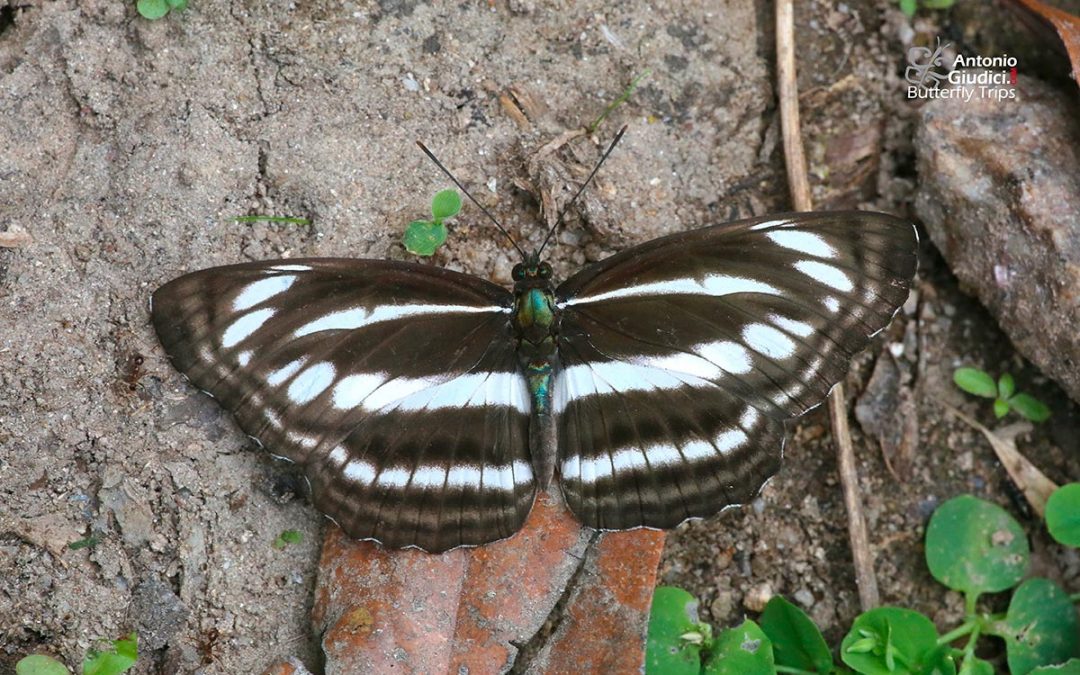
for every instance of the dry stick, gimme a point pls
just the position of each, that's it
(800, 196)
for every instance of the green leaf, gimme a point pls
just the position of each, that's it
(745, 650)
(152, 9)
(673, 615)
(1030, 407)
(288, 537)
(908, 7)
(1063, 514)
(423, 237)
(1040, 628)
(901, 637)
(1001, 408)
(445, 204)
(178, 5)
(88, 542)
(975, 381)
(975, 546)
(39, 664)
(1006, 386)
(122, 656)
(796, 641)
(938, 4)
(1070, 667)
(976, 666)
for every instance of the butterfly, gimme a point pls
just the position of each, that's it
(427, 407)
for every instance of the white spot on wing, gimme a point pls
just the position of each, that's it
(663, 454)
(359, 471)
(697, 450)
(770, 224)
(244, 358)
(278, 377)
(470, 389)
(607, 377)
(800, 328)
(243, 327)
(262, 290)
(629, 459)
(311, 382)
(351, 391)
(358, 317)
(464, 476)
(716, 285)
(729, 440)
(433, 477)
(829, 275)
(729, 356)
(338, 455)
(768, 341)
(522, 472)
(497, 478)
(803, 242)
(394, 477)
(749, 419)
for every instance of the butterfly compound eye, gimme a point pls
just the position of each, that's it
(518, 273)
(545, 271)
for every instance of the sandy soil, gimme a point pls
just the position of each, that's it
(129, 145)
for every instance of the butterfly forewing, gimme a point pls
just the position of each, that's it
(680, 358)
(395, 385)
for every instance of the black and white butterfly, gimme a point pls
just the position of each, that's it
(428, 407)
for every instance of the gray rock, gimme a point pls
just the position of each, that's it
(999, 192)
(159, 612)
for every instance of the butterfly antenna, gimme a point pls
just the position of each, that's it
(581, 189)
(461, 187)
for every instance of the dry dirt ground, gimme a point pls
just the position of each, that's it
(128, 146)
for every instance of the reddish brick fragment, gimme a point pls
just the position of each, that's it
(463, 611)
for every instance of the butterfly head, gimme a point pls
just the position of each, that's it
(532, 273)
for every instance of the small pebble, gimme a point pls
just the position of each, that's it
(804, 597)
(757, 597)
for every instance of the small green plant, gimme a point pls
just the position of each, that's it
(119, 659)
(155, 9)
(113, 661)
(39, 664)
(981, 383)
(623, 98)
(424, 237)
(87, 542)
(972, 546)
(287, 537)
(908, 7)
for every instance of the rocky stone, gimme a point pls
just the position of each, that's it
(999, 192)
(159, 612)
(757, 597)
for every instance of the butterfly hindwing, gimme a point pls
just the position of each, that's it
(681, 358)
(394, 385)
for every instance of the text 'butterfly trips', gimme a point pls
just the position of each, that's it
(428, 407)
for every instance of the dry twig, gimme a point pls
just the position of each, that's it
(800, 197)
